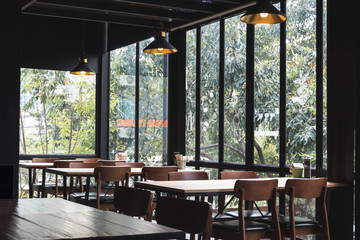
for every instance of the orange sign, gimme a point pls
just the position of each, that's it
(142, 123)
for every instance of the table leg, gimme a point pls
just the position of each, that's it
(30, 184)
(64, 188)
(43, 193)
(87, 190)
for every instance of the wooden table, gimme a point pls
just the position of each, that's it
(87, 172)
(54, 218)
(31, 167)
(204, 187)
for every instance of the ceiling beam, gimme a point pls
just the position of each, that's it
(121, 8)
(216, 16)
(26, 4)
(173, 4)
(86, 16)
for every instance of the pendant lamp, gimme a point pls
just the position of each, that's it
(263, 13)
(82, 68)
(160, 45)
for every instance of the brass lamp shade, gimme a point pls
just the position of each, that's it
(263, 13)
(82, 68)
(160, 45)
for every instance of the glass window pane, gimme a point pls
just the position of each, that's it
(57, 112)
(267, 94)
(190, 91)
(209, 103)
(301, 81)
(235, 90)
(122, 101)
(153, 107)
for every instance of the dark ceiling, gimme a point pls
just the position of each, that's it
(168, 14)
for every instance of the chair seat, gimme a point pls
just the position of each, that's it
(82, 194)
(233, 226)
(284, 221)
(47, 185)
(222, 217)
(103, 198)
(250, 214)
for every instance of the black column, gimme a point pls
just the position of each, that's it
(10, 22)
(177, 94)
(341, 49)
(102, 91)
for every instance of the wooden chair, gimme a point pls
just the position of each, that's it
(183, 176)
(88, 160)
(132, 164)
(114, 174)
(193, 217)
(293, 225)
(134, 202)
(250, 213)
(157, 173)
(242, 228)
(38, 186)
(195, 175)
(57, 190)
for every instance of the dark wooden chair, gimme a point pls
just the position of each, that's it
(191, 175)
(293, 225)
(58, 190)
(101, 199)
(134, 202)
(250, 212)
(157, 173)
(132, 164)
(242, 228)
(88, 160)
(38, 186)
(193, 217)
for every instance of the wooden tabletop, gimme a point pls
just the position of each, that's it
(204, 187)
(36, 165)
(54, 218)
(90, 171)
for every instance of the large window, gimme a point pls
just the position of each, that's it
(267, 94)
(57, 113)
(190, 91)
(235, 91)
(284, 79)
(152, 107)
(122, 101)
(301, 81)
(209, 100)
(150, 88)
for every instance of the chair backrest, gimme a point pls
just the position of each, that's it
(238, 175)
(88, 160)
(134, 202)
(44, 160)
(157, 173)
(257, 190)
(67, 163)
(305, 187)
(191, 175)
(132, 164)
(113, 174)
(108, 162)
(191, 216)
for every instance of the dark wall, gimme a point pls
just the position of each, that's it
(120, 36)
(51, 43)
(9, 97)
